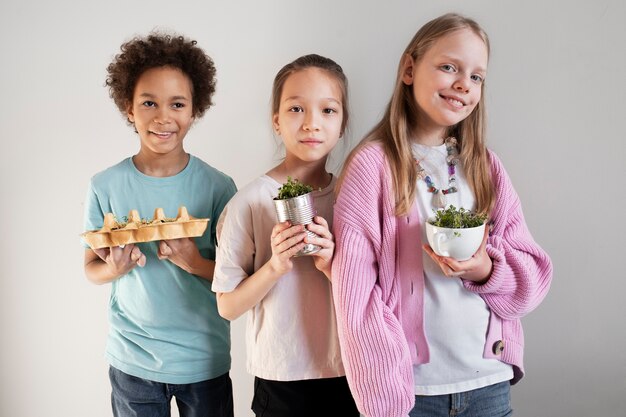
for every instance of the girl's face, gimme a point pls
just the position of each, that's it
(447, 80)
(310, 115)
(162, 110)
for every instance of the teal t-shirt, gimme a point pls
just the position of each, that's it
(164, 324)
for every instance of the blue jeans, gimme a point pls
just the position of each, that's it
(137, 397)
(490, 401)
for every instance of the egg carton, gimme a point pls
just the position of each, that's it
(137, 230)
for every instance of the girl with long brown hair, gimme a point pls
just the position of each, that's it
(291, 333)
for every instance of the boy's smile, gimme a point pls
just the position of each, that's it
(162, 135)
(162, 112)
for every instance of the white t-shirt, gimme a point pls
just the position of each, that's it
(292, 333)
(455, 319)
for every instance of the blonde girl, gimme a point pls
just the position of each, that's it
(292, 344)
(420, 333)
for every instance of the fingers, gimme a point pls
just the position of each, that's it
(290, 242)
(164, 250)
(326, 243)
(122, 259)
(119, 254)
(455, 265)
(142, 260)
(452, 273)
(137, 257)
(323, 238)
(320, 241)
(449, 266)
(447, 270)
(320, 228)
(279, 228)
(293, 250)
(284, 236)
(103, 253)
(483, 244)
(431, 253)
(321, 221)
(477, 268)
(135, 254)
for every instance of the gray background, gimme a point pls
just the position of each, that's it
(555, 91)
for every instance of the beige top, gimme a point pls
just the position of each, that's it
(292, 333)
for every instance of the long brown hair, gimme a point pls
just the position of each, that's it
(394, 129)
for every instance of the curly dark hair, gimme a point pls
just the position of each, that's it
(158, 50)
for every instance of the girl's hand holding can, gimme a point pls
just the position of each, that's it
(286, 241)
(324, 257)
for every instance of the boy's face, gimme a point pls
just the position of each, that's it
(162, 110)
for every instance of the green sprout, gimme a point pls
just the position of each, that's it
(120, 224)
(293, 188)
(454, 218)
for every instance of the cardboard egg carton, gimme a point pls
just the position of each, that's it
(137, 230)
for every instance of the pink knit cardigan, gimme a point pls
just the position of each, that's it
(378, 284)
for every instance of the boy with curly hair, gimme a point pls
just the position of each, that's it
(166, 337)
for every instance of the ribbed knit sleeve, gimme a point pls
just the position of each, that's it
(522, 271)
(374, 348)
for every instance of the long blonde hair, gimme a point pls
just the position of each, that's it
(394, 129)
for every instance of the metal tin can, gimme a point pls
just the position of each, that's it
(298, 210)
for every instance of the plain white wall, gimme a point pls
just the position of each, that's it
(556, 88)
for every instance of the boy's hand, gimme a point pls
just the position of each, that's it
(120, 260)
(181, 252)
(323, 259)
(286, 241)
